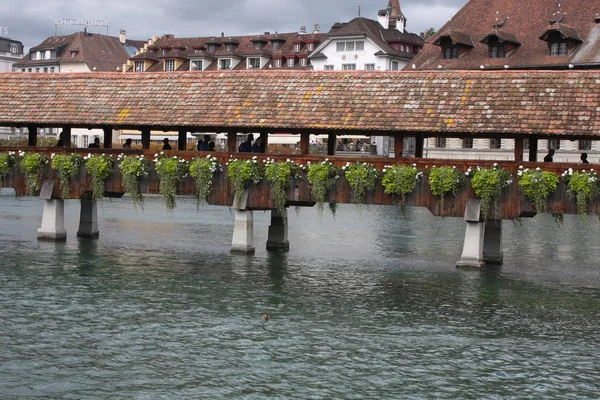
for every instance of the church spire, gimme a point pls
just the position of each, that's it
(394, 9)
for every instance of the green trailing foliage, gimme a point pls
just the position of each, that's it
(362, 178)
(278, 175)
(488, 184)
(99, 168)
(32, 165)
(133, 170)
(582, 187)
(67, 166)
(170, 170)
(536, 186)
(242, 174)
(321, 178)
(445, 180)
(202, 170)
(7, 162)
(400, 180)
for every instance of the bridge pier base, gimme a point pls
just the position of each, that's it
(472, 255)
(243, 232)
(492, 243)
(53, 221)
(88, 219)
(278, 232)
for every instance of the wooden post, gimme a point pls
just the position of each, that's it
(32, 135)
(304, 143)
(419, 145)
(66, 136)
(182, 139)
(145, 138)
(265, 141)
(398, 146)
(533, 148)
(331, 142)
(108, 137)
(232, 142)
(519, 149)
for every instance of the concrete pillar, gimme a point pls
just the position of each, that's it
(278, 232)
(88, 219)
(243, 232)
(53, 221)
(492, 243)
(472, 255)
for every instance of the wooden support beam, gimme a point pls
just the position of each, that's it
(331, 143)
(145, 138)
(533, 148)
(232, 142)
(108, 137)
(182, 139)
(65, 136)
(519, 149)
(419, 145)
(304, 143)
(398, 146)
(32, 135)
(265, 141)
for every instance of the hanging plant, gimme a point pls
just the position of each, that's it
(7, 162)
(444, 180)
(133, 170)
(536, 186)
(67, 167)
(362, 178)
(202, 171)
(400, 180)
(488, 184)
(32, 165)
(321, 177)
(278, 175)
(583, 187)
(170, 171)
(99, 168)
(242, 174)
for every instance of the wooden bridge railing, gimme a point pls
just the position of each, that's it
(512, 204)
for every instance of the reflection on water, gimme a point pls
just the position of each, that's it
(366, 305)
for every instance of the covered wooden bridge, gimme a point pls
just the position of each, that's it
(516, 105)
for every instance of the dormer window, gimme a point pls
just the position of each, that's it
(14, 48)
(310, 46)
(561, 39)
(290, 62)
(139, 66)
(278, 62)
(229, 47)
(169, 65)
(212, 48)
(454, 44)
(500, 43)
(297, 47)
(257, 46)
(451, 53)
(196, 65)
(275, 46)
(559, 48)
(303, 62)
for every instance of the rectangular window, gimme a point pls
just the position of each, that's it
(497, 51)
(310, 46)
(257, 46)
(467, 143)
(45, 70)
(37, 70)
(349, 46)
(228, 47)
(440, 143)
(290, 62)
(451, 53)
(28, 69)
(341, 46)
(42, 55)
(51, 69)
(225, 63)
(554, 144)
(297, 47)
(558, 49)
(86, 140)
(328, 68)
(525, 144)
(395, 66)
(74, 140)
(254, 63)
(169, 65)
(275, 46)
(211, 48)
(495, 143)
(409, 48)
(139, 66)
(348, 67)
(278, 62)
(360, 46)
(22, 69)
(196, 65)
(369, 67)
(303, 62)
(14, 48)
(585, 145)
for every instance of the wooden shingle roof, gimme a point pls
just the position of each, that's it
(438, 103)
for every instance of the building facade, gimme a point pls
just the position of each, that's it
(11, 51)
(509, 35)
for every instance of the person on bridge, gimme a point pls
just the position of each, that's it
(584, 159)
(127, 144)
(246, 147)
(550, 156)
(166, 145)
(203, 144)
(95, 145)
(258, 146)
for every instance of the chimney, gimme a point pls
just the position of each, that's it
(384, 19)
(123, 36)
(302, 30)
(317, 28)
(222, 34)
(267, 33)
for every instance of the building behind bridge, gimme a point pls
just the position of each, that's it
(11, 51)
(509, 35)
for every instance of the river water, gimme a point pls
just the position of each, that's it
(368, 305)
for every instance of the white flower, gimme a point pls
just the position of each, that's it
(495, 164)
(520, 167)
(384, 170)
(538, 169)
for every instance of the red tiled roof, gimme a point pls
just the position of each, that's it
(502, 103)
(527, 20)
